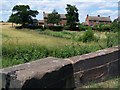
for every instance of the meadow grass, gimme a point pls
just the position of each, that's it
(24, 45)
(113, 83)
(26, 37)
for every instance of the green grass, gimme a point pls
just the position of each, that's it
(24, 45)
(111, 83)
(26, 37)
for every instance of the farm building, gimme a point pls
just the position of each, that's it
(93, 20)
(45, 17)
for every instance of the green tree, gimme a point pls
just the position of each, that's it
(54, 17)
(115, 25)
(22, 14)
(72, 16)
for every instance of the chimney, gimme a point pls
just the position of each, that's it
(98, 15)
(43, 12)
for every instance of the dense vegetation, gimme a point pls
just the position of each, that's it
(24, 45)
(72, 17)
(30, 42)
(22, 14)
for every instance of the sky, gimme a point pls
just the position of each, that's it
(103, 8)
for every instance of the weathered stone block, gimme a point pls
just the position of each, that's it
(94, 59)
(45, 73)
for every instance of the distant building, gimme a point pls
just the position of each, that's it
(93, 20)
(40, 22)
(45, 17)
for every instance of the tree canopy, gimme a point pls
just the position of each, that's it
(54, 17)
(22, 14)
(72, 16)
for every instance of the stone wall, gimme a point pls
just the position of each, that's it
(68, 73)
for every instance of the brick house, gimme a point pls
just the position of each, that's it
(93, 20)
(40, 22)
(45, 17)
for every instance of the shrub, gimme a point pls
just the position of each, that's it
(56, 28)
(96, 27)
(66, 27)
(106, 28)
(39, 30)
(102, 27)
(111, 39)
(34, 27)
(18, 27)
(29, 27)
(88, 36)
(115, 26)
(81, 27)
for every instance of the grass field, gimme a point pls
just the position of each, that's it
(24, 45)
(113, 83)
(22, 37)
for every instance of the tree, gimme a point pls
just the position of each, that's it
(115, 25)
(54, 17)
(72, 16)
(23, 15)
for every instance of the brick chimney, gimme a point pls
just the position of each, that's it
(87, 15)
(98, 15)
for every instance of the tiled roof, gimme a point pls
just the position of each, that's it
(41, 21)
(61, 15)
(99, 18)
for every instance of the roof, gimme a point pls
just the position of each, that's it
(99, 18)
(84, 23)
(41, 21)
(61, 15)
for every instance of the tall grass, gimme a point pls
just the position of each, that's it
(109, 83)
(17, 54)
(26, 45)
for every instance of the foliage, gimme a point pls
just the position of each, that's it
(102, 27)
(21, 54)
(82, 28)
(111, 39)
(111, 82)
(29, 27)
(88, 36)
(56, 28)
(54, 18)
(14, 18)
(20, 46)
(115, 27)
(66, 27)
(23, 15)
(72, 16)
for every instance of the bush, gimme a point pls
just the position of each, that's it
(81, 27)
(115, 26)
(66, 27)
(29, 27)
(102, 27)
(88, 36)
(39, 30)
(96, 27)
(111, 39)
(18, 27)
(56, 28)
(34, 27)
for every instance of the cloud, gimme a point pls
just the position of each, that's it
(112, 13)
(84, 6)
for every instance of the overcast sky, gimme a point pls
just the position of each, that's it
(91, 7)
